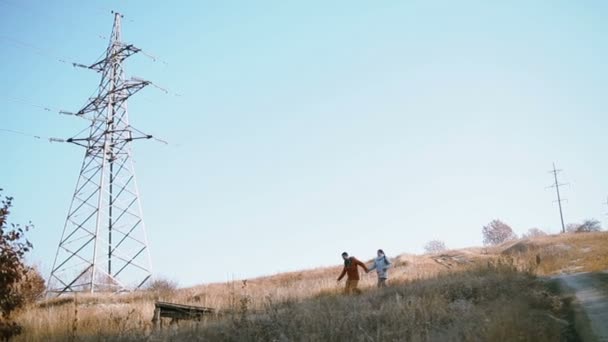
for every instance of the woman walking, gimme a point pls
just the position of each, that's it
(381, 265)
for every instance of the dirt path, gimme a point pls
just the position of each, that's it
(591, 293)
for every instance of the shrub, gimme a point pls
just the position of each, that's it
(533, 232)
(497, 232)
(435, 246)
(13, 271)
(32, 285)
(162, 287)
(587, 226)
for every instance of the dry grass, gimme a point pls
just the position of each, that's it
(477, 304)
(76, 318)
(433, 297)
(474, 303)
(564, 253)
(100, 316)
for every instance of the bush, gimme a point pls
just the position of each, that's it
(533, 232)
(32, 285)
(587, 226)
(497, 232)
(13, 271)
(435, 246)
(162, 287)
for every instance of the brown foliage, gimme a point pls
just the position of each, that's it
(32, 285)
(13, 247)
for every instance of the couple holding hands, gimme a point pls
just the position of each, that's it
(381, 265)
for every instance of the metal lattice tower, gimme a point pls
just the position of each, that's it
(103, 247)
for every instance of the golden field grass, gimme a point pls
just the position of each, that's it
(471, 294)
(564, 253)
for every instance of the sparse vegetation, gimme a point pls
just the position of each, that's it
(162, 288)
(563, 253)
(471, 294)
(478, 304)
(497, 232)
(32, 285)
(435, 246)
(533, 233)
(591, 225)
(16, 289)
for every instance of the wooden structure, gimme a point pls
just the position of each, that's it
(178, 311)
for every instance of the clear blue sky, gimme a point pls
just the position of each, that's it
(308, 128)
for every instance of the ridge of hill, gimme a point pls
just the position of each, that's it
(445, 291)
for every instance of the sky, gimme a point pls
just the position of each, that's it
(301, 129)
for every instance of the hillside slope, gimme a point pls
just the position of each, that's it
(486, 283)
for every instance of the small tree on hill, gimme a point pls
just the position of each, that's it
(497, 232)
(587, 226)
(435, 246)
(13, 271)
(533, 232)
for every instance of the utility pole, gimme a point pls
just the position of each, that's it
(104, 247)
(559, 201)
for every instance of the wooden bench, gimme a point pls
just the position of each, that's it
(177, 312)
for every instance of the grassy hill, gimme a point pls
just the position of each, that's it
(496, 293)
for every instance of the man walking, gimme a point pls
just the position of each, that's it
(352, 273)
(381, 265)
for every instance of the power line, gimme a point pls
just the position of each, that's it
(35, 105)
(34, 49)
(69, 60)
(51, 55)
(31, 135)
(64, 112)
(149, 136)
(29, 103)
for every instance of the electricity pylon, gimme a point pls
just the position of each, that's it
(103, 247)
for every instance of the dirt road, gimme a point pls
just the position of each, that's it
(591, 293)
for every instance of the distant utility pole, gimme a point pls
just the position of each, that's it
(559, 201)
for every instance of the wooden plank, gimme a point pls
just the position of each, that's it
(165, 306)
(177, 312)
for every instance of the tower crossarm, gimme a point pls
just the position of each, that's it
(121, 93)
(123, 52)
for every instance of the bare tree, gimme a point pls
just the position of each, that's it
(497, 232)
(591, 225)
(533, 232)
(435, 246)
